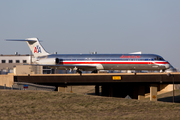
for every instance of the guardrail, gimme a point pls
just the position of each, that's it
(28, 86)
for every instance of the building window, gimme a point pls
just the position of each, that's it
(10, 61)
(3, 61)
(24, 61)
(17, 61)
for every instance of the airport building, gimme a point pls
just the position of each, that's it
(9, 64)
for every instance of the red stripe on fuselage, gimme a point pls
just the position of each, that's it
(161, 63)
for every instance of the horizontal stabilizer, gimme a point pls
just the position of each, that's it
(21, 40)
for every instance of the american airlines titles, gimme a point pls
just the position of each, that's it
(130, 56)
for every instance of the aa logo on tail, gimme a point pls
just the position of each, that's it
(37, 49)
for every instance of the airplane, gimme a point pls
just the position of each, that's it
(94, 62)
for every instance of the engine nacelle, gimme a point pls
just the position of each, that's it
(48, 61)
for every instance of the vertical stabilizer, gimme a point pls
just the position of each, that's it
(34, 45)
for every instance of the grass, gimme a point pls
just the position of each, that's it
(56, 105)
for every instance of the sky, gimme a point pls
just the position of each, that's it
(84, 26)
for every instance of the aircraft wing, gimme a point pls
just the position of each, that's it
(67, 67)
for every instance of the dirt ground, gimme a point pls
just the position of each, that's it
(56, 105)
(81, 89)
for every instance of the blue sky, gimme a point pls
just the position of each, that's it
(79, 26)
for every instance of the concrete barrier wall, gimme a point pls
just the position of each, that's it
(22, 69)
(19, 69)
(169, 87)
(7, 79)
(28, 69)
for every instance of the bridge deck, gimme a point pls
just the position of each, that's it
(99, 78)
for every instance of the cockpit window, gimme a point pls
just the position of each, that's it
(160, 58)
